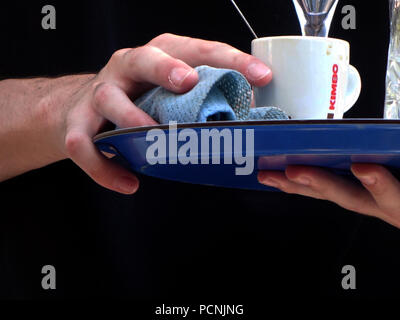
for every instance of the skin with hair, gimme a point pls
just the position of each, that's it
(46, 120)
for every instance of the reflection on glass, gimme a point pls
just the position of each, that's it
(315, 16)
(392, 103)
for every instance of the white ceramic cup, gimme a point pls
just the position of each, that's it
(312, 77)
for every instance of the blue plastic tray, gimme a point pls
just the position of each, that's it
(334, 144)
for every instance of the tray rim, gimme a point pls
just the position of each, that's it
(217, 124)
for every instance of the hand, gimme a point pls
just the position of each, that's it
(377, 194)
(167, 61)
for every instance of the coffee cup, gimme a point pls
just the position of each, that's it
(312, 77)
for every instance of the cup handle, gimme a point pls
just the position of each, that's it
(353, 89)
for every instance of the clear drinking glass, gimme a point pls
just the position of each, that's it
(392, 101)
(315, 16)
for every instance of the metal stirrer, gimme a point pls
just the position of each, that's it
(244, 19)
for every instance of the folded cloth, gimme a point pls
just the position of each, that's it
(220, 95)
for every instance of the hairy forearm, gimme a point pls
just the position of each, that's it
(31, 114)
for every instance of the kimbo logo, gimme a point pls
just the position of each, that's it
(335, 79)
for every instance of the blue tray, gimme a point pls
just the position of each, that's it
(333, 144)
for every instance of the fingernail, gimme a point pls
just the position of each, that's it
(257, 71)
(178, 75)
(368, 180)
(271, 182)
(126, 185)
(303, 181)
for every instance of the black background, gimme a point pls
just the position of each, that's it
(171, 241)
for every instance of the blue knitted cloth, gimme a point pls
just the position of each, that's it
(220, 95)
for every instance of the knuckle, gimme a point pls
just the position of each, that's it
(209, 47)
(132, 56)
(163, 64)
(164, 37)
(148, 50)
(118, 55)
(244, 60)
(206, 47)
(102, 93)
(73, 143)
